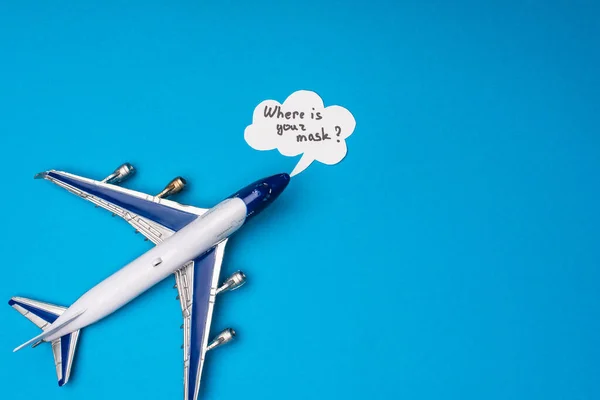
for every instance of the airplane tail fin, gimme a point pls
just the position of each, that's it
(43, 315)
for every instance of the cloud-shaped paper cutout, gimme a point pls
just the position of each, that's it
(301, 125)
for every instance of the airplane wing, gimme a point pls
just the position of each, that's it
(156, 218)
(197, 285)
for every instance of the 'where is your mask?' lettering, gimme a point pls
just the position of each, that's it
(301, 125)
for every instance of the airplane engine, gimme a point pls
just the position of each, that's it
(174, 187)
(224, 337)
(236, 280)
(120, 174)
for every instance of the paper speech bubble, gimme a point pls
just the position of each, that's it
(302, 124)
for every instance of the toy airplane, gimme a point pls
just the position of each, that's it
(190, 244)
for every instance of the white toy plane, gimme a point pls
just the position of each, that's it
(190, 243)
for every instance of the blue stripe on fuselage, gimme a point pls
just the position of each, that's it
(43, 314)
(203, 273)
(166, 216)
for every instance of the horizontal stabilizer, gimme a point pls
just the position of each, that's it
(43, 316)
(40, 313)
(63, 350)
(52, 330)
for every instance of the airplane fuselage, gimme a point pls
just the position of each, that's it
(201, 235)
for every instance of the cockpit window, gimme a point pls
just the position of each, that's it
(266, 191)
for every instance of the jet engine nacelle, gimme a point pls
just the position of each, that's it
(120, 174)
(233, 282)
(224, 337)
(174, 187)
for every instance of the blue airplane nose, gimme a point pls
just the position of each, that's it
(260, 194)
(277, 183)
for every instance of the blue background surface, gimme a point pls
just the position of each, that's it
(453, 254)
